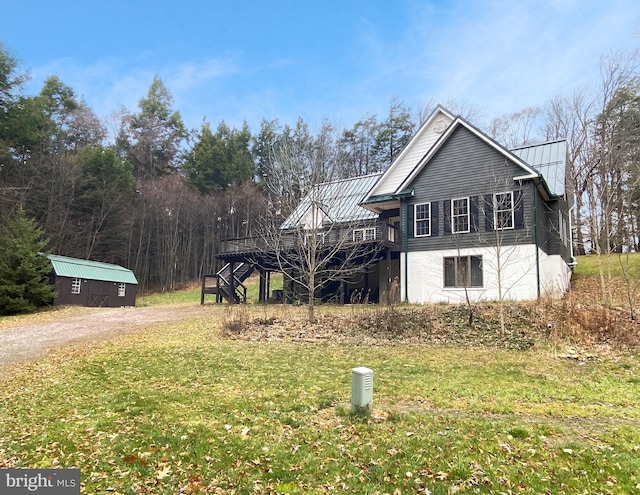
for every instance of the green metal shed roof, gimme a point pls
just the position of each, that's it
(92, 270)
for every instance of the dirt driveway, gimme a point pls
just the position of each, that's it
(32, 341)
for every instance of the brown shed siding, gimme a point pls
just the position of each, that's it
(93, 293)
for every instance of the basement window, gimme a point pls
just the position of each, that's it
(76, 285)
(122, 290)
(463, 271)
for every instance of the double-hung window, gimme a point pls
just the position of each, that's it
(460, 216)
(503, 210)
(463, 271)
(76, 285)
(422, 220)
(364, 234)
(319, 237)
(122, 289)
(563, 227)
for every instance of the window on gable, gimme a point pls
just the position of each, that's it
(460, 218)
(122, 289)
(364, 234)
(463, 271)
(76, 285)
(503, 210)
(422, 220)
(319, 236)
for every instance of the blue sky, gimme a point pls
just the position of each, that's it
(246, 60)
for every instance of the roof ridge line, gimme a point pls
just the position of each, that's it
(553, 141)
(350, 178)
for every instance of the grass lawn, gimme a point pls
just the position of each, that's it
(193, 293)
(181, 409)
(616, 264)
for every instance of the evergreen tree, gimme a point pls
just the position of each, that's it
(393, 135)
(24, 268)
(220, 160)
(263, 148)
(152, 139)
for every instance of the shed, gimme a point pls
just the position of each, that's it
(92, 283)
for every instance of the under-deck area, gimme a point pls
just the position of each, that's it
(374, 247)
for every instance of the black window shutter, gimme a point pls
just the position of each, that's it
(518, 212)
(410, 215)
(447, 216)
(488, 212)
(474, 213)
(434, 218)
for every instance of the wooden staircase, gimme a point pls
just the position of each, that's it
(229, 284)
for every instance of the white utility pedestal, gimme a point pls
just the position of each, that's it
(361, 390)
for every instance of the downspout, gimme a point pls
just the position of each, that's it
(535, 235)
(405, 237)
(405, 246)
(573, 263)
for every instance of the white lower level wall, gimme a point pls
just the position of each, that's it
(517, 281)
(555, 276)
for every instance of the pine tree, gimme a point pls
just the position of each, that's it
(24, 267)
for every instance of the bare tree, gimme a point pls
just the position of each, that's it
(457, 106)
(356, 148)
(462, 270)
(571, 118)
(631, 277)
(614, 156)
(502, 261)
(503, 213)
(328, 238)
(514, 129)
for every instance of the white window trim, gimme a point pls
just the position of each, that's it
(318, 235)
(462, 287)
(122, 289)
(415, 220)
(76, 286)
(365, 231)
(495, 211)
(453, 223)
(562, 227)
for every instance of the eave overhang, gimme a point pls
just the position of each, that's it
(459, 121)
(540, 184)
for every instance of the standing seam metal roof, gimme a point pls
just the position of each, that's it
(339, 200)
(550, 159)
(64, 266)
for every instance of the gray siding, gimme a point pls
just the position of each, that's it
(549, 239)
(547, 225)
(466, 166)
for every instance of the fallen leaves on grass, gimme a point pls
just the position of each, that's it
(436, 325)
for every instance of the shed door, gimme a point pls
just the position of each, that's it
(98, 293)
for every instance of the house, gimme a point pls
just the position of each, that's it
(345, 234)
(92, 283)
(457, 217)
(478, 221)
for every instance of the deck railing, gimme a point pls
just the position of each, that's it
(362, 233)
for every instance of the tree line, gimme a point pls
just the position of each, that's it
(157, 197)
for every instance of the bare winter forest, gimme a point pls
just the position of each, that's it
(144, 191)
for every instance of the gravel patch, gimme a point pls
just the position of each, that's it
(32, 341)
